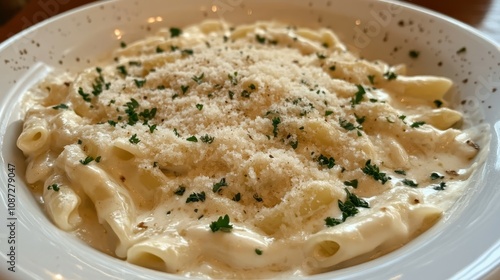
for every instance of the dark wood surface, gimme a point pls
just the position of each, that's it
(481, 14)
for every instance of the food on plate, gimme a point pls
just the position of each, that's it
(244, 151)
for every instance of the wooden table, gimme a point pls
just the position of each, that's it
(481, 14)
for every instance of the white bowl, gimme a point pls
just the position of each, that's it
(463, 245)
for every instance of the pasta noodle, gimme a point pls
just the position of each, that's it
(244, 152)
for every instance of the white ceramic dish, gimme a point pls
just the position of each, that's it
(464, 245)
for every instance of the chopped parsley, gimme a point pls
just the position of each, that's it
(328, 112)
(400, 171)
(159, 49)
(417, 124)
(294, 144)
(199, 107)
(148, 114)
(207, 139)
(192, 139)
(60, 106)
(332, 68)
(390, 75)
(123, 44)
(330, 222)
(133, 117)
(435, 176)
(217, 186)
(87, 160)
(237, 197)
(352, 183)
(195, 197)
(350, 126)
(139, 83)
(320, 56)
(180, 190)
(122, 70)
(198, 79)
(184, 89)
(187, 52)
(152, 128)
(358, 96)
(438, 103)
(410, 183)
(54, 187)
(245, 93)
(134, 139)
(134, 63)
(374, 171)
(348, 208)
(175, 32)
(233, 78)
(346, 125)
(176, 133)
(258, 251)
(222, 224)
(371, 78)
(358, 202)
(260, 39)
(98, 159)
(440, 187)
(85, 96)
(276, 121)
(329, 162)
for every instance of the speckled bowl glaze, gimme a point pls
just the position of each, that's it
(463, 245)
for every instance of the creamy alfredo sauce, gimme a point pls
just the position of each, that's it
(246, 152)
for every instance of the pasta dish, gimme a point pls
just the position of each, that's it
(246, 151)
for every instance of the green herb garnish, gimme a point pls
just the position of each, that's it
(438, 103)
(371, 78)
(390, 75)
(87, 160)
(329, 162)
(195, 197)
(134, 139)
(207, 139)
(276, 121)
(60, 106)
(217, 186)
(175, 32)
(410, 183)
(198, 79)
(53, 187)
(435, 176)
(352, 183)
(180, 190)
(139, 83)
(358, 96)
(417, 124)
(374, 171)
(222, 224)
(85, 96)
(237, 197)
(184, 89)
(401, 172)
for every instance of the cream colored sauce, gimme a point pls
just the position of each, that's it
(234, 86)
